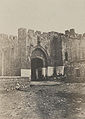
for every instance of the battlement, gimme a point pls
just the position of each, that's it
(68, 33)
(72, 34)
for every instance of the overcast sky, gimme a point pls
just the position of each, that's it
(44, 15)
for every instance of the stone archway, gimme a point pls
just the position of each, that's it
(38, 62)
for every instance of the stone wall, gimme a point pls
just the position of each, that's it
(22, 34)
(56, 51)
(16, 52)
(8, 55)
(28, 40)
(8, 83)
(74, 45)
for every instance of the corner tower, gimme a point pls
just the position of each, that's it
(22, 33)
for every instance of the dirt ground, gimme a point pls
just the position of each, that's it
(59, 101)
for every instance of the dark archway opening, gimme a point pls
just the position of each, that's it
(36, 69)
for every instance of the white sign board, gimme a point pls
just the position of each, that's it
(60, 70)
(50, 71)
(25, 72)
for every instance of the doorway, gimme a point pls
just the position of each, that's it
(36, 69)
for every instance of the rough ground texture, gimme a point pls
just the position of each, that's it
(60, 101)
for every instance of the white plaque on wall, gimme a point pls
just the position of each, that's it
(25, 72)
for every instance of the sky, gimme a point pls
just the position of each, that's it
(42, 15)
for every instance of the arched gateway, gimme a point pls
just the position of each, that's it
(38, 63)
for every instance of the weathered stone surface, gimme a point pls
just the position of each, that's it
(55, 49)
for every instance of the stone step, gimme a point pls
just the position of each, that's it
(47, 83)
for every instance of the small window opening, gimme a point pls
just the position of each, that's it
(66, 56)
(77, 73)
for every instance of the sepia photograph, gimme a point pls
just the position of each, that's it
(42, 59)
